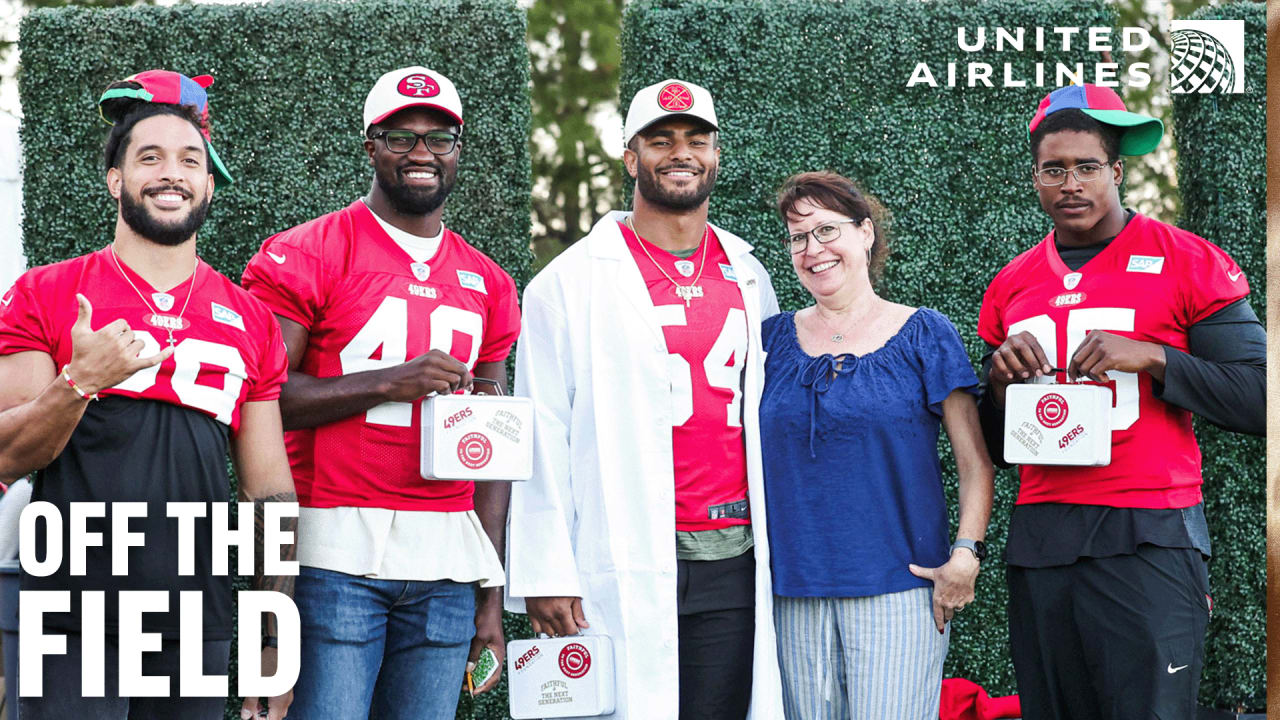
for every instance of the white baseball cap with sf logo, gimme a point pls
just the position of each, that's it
(411, 87)
(666, 99)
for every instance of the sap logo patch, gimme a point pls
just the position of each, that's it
(227, 316)
(1145, 264)
(472, 281)
(728, 272)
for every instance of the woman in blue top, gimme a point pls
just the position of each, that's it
(856, 388)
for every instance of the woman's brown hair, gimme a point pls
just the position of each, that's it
(837, 193)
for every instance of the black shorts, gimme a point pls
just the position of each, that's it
(62, 697)
(716, 605)
(1115, 638)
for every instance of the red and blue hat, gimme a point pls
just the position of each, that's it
(169, 88)
(1141, 135)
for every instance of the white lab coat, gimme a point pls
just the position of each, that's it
(597, 520)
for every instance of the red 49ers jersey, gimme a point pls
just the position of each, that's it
(1151, 284)
(227, 347)
(707, 339)
(367, 305)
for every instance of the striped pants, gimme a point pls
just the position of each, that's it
(865, 658)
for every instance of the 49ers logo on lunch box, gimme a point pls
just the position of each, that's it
(418, 85)
(1051, 411)
(575, 661)
(675, 98)
(475, 450)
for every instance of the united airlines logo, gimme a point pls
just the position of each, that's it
(1208, 56)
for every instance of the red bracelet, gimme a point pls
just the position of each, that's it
(83, 396)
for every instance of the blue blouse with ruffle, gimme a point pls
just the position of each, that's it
(850, 446)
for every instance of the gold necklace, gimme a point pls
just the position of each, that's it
(684, 292)
(168, 327)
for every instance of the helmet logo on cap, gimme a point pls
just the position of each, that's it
(418, 85)
(675, 98)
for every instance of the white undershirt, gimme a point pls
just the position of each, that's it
(400, 544)
(420, 248)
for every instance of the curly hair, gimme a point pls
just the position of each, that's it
(1073, 119)
(125, 113)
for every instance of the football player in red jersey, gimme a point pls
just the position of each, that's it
(1108, 586)
(644, 520)
(182, 363)
(382, 305)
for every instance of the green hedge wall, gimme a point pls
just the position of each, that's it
(291, 78)
(286, 107)
(807, 85)
(1222, 179)
(799, 85)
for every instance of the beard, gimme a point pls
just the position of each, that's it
(408, 200)
(144, 224)
(648, 186)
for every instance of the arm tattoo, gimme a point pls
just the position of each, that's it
(262, 581)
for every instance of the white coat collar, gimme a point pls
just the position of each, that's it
(605, 239)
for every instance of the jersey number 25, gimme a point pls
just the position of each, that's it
(1079, 322)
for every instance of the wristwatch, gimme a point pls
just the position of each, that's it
(977, 547)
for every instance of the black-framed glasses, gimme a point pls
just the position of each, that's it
(438, 142)
(824, 234)
(1084, 172)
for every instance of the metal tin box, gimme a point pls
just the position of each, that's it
(560, 677)
(1054, 424)
(477, 437)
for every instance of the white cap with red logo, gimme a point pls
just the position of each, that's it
(411, 87)
(666, 99)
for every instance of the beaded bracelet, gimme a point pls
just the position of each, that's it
(83, 395)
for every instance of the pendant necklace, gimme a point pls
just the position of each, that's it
(154, 313)
(684, 292)
(836, 336)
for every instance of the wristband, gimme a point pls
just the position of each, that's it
(977, 547)
(270, 641)
(83, 395)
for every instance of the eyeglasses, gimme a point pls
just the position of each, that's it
(823, 234)
(1084, 172)
(402, 141)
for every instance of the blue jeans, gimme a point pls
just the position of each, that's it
(385, 649)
